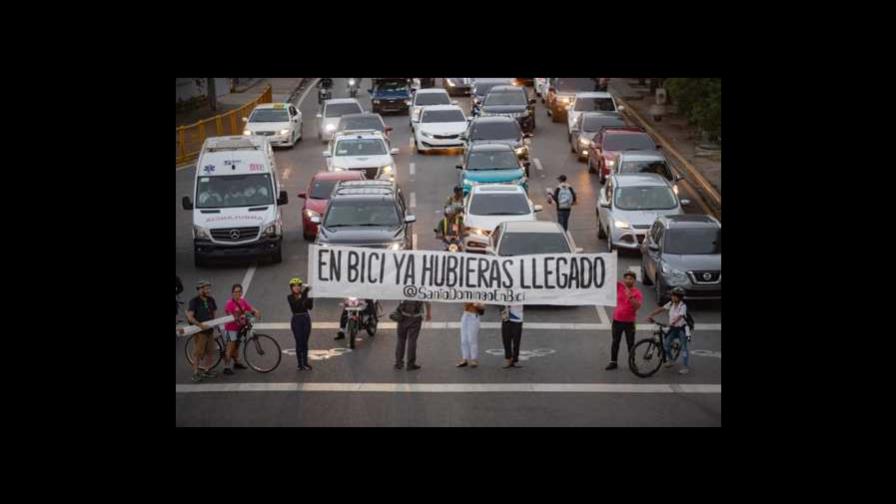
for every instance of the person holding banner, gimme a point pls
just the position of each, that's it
(202, 309)
(469, 334)
(628, 301)
(409, 324)
(300, 305)
(512, 333)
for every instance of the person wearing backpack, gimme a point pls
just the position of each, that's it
(679, 322)
(565, 196)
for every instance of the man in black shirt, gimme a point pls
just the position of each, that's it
(202, 309)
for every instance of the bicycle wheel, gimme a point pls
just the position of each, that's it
(217, 352)
(646, 358)
(352, 332)
(371, 326)
(262, 353)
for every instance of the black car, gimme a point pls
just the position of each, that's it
(366, 213)
(498, 129)
(390, 94)
(480, 89)
(510, 101)
(457, 85)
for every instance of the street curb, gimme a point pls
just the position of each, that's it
(705, 189)
(297, 90)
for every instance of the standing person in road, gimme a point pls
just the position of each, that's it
(408, 329)
(202, 309)
(469, 334)
(628, 301)
(512, 333)
(301, 306)
(565, 197)
(237, 306)
(677, 326)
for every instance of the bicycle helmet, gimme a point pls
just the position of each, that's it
(203, 283)
(678, 291)
(295, 281)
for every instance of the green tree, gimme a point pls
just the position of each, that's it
(700, 102)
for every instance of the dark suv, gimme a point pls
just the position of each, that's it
(498, 130)
(366, 213)
(683, 251)
(510, 101)
(390, 95)
(479, 90)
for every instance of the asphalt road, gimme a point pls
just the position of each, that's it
(562, 345)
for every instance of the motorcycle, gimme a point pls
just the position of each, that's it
(359, 318)
(353, 86)
(453, 244)
(323, 90)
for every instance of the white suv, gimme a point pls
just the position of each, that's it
(489, 205)
(366, 151)
(280, 122)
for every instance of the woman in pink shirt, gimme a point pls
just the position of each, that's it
(628, 300)
(238, 307)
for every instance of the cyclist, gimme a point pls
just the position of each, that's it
(202, 309)
(238, 307)
(677, 322)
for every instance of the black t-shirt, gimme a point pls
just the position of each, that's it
(301, 304)
(202, 310)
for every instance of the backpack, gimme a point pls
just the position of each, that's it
(688, 318)
(564, 197)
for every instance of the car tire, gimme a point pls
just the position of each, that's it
(277, 256)
(308, 237)
(591, 166)
(199, 261)
(660, 294)
(609, 242)
(644, 279)
(600, 231)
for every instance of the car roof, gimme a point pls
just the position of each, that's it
(336, 101)
(339, 175)
(378, 188)
(492, 80)
(507, 88)
(360, 134)
(275, 105)
(442, 107)
(225, 143)
(643, 155)
(498, 188)
(640, 180)
(593, 94)
(628, 130)
(431, 91)
(691, 221)
(532, 227)
(494, 119)
(488, 146)
(359, 115)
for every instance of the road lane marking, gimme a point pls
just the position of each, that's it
(286, 173)
(247, 279)
(411, 169)
(414, 241)
(602, 315)
(302, 98)
(185, 167)
(413, 200)
(593, 388)
(411, 141)
(547, 326)
(537, 164)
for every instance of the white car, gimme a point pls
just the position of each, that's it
(541, 87)
(426, 97)
(280, 122)
(531, 237)
(363, 151)
(596, 101)
(489, 205)
(440, 127)
(328, 118)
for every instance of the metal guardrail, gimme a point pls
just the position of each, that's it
(705, 189)
(189, 139)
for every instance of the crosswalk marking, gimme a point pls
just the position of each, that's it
(593, 388)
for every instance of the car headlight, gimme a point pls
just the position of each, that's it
(395, 246)
(674, 276)
(272, 230)
(426, 134)
(376, 101)
(311, 213)
(621, 224)
(330, 127)
(611, 163)
(478, 231)
(407, 102)
(584, 141)
(450, 82)
(201, 233)
(387, 169)
(351, 82)
(247, 132)
(284, 132)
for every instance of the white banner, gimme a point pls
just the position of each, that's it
(187, 330)
(452, 277)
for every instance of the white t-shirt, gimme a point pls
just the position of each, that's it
(676, 311)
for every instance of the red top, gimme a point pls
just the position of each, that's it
(231, 309)
(624, 311)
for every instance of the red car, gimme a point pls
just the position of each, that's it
(318, 195)
(609, 143)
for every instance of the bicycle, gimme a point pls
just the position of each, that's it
(649, 354)
(260, 351)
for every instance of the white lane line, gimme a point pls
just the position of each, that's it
(546, 326)
(413, 200)
(594, 388)
(247, 279)
(302, 98)
(537, 164)
(602, 315)
(286, 173)
(412, 168)
(411, 141)
(414, 241)
(185, 167)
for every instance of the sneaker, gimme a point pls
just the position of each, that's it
(669, 364)
(300, 367)
(238, 365)
(610, 366)
(228, 371)
(209, 374)
(399, 366)
(197, 377)
(413, 367)
(340, 335)
(684, 371)
(474, 363)
(462, 364)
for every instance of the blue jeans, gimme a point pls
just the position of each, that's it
(563, 218)
(677, 332)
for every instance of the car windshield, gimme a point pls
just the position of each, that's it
(361, 212)
(594, 105)
(504, 130)
(361, 123)
(658, 167)
(432, 99)
(533, 243)
(269, 115)
(441, 116)
(505, 99)
(360, 147)
(234, 191)
(392, 85)
(340, 109)
(629, 141)
(499, 204)
(693, 241)
(322, 189)
(593, 124)
(493, 160)
(482, 88)
(645, 198)
(566, 85)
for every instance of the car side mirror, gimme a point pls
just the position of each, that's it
(685, 202)
(315, 219)
(319, 116)
(620, 108)
(187, 204)
(388, 129)
(245, 119)
(538, 208)
(394, 151)
(326, 153)
(678, 178)
(410, 218)
(459, 167)
(303, 195)
(283, 199)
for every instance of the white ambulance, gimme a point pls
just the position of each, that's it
(237, 200)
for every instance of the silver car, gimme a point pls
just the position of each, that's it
(629, 204)
(329, 116)
(531, 237)
(684, 251)
(588, 125)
